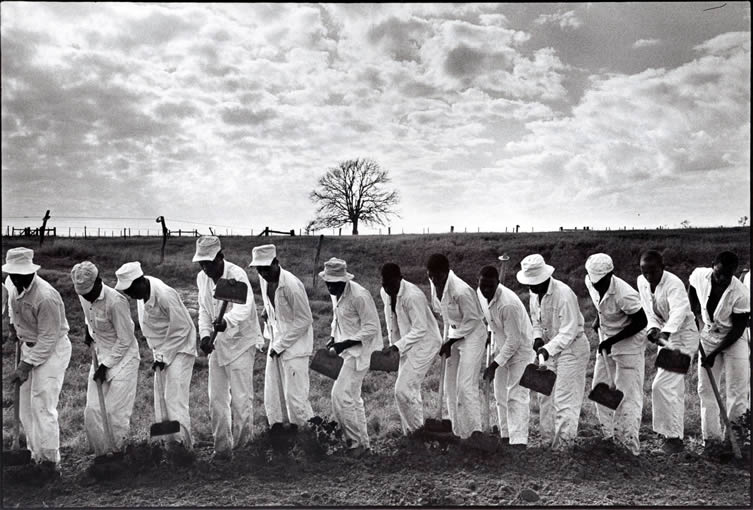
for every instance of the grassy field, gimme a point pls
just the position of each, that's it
(567, 252)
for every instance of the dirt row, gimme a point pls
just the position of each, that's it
(403, 472)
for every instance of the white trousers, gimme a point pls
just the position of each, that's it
(461, 384)
(39, 401)
(668, 389)
(347, 404)
(120, 394)
(559, 413)
(231, 401)
(735, 363)
(411, 372)
(175, 381)
(623, 424)
(513, 401)
(295, 388)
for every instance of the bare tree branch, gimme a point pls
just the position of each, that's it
(351, 193)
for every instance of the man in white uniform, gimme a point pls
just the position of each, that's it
(412, 330)
(560, 339)
(667, 308)
(231, 358)
(290, 324)
(171, 334)
(356, 333)
(621, 323)
(722, 302)
(512, 343)
(110, 327)
(38, 316)
(465, 335)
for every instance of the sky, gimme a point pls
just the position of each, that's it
(486, 116)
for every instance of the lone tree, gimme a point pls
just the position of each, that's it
(353, 193)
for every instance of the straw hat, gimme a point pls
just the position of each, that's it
(534, 270)
(19, 261)
(335, 271)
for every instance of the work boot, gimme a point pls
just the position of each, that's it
(224, 456)
(48, 471)
(504, 440)
(672, 445)
(358, 451)
(517, 447)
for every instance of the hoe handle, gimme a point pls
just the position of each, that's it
(442, 365)
(109, 438)
(219, 318)
(723, 411)
(606, 361)
(283, 406)
(16, 403)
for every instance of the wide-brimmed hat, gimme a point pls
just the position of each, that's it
(84, 274)
(534, 270)
(263, 255)
(19, 261)
(598, 265)
(127, 274)
(207, 248)
(335, 271)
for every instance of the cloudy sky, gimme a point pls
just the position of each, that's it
(485, 115)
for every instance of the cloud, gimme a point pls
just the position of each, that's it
(645, 43)
(566, 20)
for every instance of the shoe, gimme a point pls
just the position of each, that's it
(672, 445)
(48, 471)
(713, 448)
(517, 447)
(225, 456)
(505, 440)
(358, 452)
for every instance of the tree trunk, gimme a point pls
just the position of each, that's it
(355, 226)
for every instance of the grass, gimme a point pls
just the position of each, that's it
(567, 252)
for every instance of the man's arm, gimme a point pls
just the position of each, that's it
(205, 319)
(569, 314)
(295, 305)
(416, 309)
(49, 322)
(513, 320)
(124, 329)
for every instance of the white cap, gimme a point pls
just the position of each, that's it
(598, 265)
(207, 248)
(534, 270)
(127, 273)
(19, 261)
(335, 271)
(263, 255)
(84, 275)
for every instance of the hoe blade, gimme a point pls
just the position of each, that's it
(231, 290)
(604, 395)
(164, 428)
(538, 378)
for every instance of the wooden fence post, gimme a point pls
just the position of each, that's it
(161, 219)
(42, 230)
(84, 231)
(316, 260)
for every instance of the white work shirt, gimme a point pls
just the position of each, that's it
(460, 309)
(38, 314)
(242, 330)
(668, 307)
(290, 317)
(412, 321)
(619, 301)
(557, 319)
(110, 325)
(165, 322)
(355, 318)
(735, 299)
(512, 332)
